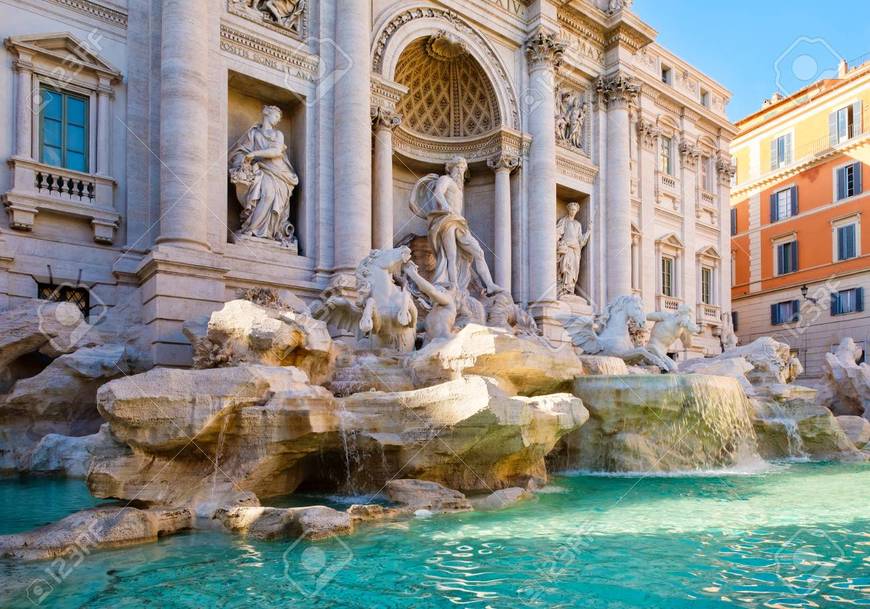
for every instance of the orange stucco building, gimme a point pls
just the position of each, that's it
(800, 242)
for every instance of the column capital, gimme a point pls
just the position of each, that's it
(618, 90)
(544, 50)
(726, 168)
(383, 118)
(503, 161)
(690, 153)
(649, 133)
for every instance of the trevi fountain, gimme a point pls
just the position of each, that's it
(411, 440)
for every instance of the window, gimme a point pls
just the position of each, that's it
(705, 98)
(781, 151)
(783, 204)
(64, 129)
(668, 276)
(849, 181)
(845, 123)
(734, 230)
(847, 242)
(706, 285)
(667, 75)
(787, 312)
(65, 293)
(847, 301)
(707, 173)
(666, 156)
(786, 257)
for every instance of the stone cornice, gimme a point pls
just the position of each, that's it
(264, 52)
(503, 141)
(575, 164)
(95, 10)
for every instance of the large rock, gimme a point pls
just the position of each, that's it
(426, 495)
(528, 366)
(466, 434)
(845, 387)
(246, 333)
(603, 365)
(72, 456)
(800, 428)
(857, 429)
(659, 423)
(502, 498)
(37, 326)
(734, 367)
(314, 522)
(212, 436)
(95, 529)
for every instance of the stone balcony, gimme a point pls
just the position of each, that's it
(668, 303)
(708, 314)
(39, 187)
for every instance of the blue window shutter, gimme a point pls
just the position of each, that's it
(734, 320)
(794, 200)
(835, 303)
(858, 170)
(832, 129)
(841, 183)
(795, 311)
(851, 249)
(859, 300)
(857, 107)
(794, 256)
(773, 213)
(780, 257)
(841, 243)
(774, 315)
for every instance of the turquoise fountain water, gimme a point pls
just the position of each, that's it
(794, 536)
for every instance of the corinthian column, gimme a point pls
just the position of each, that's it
(503, 165)
(184, 123)
(618, 91)
(382, 199)
(352, 134)
(544, 55)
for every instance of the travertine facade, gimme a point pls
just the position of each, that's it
(131, 170)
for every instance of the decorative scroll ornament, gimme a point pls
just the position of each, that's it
(617, 89)
(544, 49)
(503, 161)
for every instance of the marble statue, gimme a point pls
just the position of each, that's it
(571, 241)
(264, 181)
(283, 11)
(615, 6)
(845, 385)
(441, 319)
(503, 312)
(728, 337)
(614, 333)
(438, 199)
(570, 116)
(667, 328)
(384, 309)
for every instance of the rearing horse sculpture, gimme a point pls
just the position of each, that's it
(614, 333)
(384, 309)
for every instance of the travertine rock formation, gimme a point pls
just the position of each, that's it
(800, 428)
(72, 456)
(845, 388)
(857, 429)
(243, 332)
(313, 522)
(95, 529)
(426, 495)
(525, 365)
(660, 423)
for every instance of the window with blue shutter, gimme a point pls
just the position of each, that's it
(787, 312)
(784, 204)
(847, 244)
(845, 123)
(786, 258)
(847, 301)
(849, 182)
(63, 129)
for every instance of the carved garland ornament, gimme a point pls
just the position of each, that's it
(456, 22)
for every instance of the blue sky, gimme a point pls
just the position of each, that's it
(755, 47)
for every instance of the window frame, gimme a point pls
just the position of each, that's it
(65, 95)
(776, 318)
(851, 220)
(707, 286)
(841, 172)
(669, 286)
(793, 258)
(666, 155)
(779, 160)
(792, 207)
(856, 295)
(667, 75)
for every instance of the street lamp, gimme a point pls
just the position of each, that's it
(804, 291)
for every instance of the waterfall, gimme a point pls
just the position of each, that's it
(780, 416)
(351, 452)
(218, 451)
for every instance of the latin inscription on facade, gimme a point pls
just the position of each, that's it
(514, 7)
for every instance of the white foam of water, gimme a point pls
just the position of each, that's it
(551, 489)
(747, 467)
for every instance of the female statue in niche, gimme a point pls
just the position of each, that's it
(264, 181)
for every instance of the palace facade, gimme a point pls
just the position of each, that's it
(127, 177)
(801, 255)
